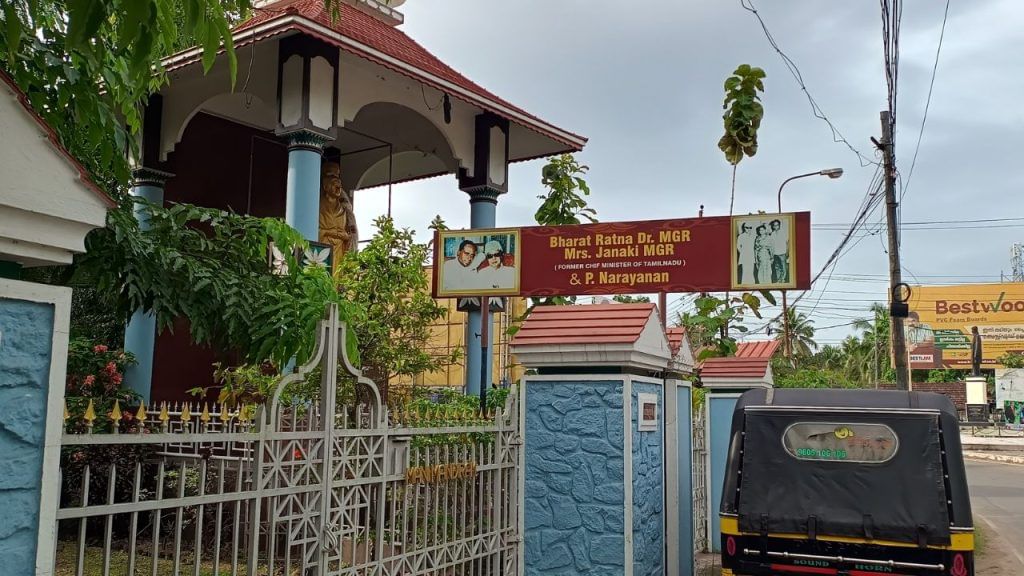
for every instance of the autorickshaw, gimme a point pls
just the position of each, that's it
(845, 482)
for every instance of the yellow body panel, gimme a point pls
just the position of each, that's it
(958, 541)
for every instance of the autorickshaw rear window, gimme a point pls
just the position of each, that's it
(840, 442)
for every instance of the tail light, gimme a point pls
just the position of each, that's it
(730, 547)
(959, 566)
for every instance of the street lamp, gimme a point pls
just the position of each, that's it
(832, 174)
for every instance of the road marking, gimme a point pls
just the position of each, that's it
(1000, 536)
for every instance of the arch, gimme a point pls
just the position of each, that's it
(242, 107)
(418, 147)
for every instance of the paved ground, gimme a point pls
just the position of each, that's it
(997, 499)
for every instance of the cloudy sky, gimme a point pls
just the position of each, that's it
(643, 80)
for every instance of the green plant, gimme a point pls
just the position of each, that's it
(393, 310)
(706, 325)
(564, 202)
(1012, 360)
(742, 118)
(801, 332)
(211, 267)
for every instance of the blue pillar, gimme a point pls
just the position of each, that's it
(302, 204)
(720, 406)
(140, 334)
(483, 206)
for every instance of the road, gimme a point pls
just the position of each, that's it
(997, 499)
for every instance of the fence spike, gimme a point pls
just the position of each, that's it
(186, 414)
(164, 417)
(66, 413)
(205, 416)
(141, 414)
(115, 414)
(225, 414)
(90, 413)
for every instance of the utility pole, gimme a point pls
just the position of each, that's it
(899, 343)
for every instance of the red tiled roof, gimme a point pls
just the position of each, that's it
(675, 338)
(373, 39)
(734, 367)
(589, 324)
(54, 140)
(758, 349)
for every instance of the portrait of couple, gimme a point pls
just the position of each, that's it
(471, 265)
(763, 251)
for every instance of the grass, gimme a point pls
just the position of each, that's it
(67, 558)
(980, 539)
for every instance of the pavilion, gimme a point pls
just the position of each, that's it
(322, 108)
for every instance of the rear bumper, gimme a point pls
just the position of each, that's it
(753, 556)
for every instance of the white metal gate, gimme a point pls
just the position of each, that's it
(700, 491)
(328, 483)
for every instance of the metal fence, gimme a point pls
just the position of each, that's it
(700, 491)
(318, 486)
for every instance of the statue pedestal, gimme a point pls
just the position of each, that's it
(977, 399)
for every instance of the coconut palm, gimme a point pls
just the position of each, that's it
(801, 333)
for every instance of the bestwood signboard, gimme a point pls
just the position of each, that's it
(713, 254)
(938, 331)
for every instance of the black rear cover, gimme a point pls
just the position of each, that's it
(902, 499)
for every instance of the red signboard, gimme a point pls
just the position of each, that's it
(713, 254)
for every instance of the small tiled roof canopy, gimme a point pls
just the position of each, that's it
(734, 367)
(675, 338)
(373, 39)
(591, 324)
(757, 349)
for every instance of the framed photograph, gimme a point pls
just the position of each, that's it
(764, 252)
(468, 264)
(647, 409)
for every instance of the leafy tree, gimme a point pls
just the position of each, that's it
(631, 299)
(946, 375)
(88, 65)
(801, 332)
(742, 118)
(810, 378)
(564, 204)
(391, 301)
(211, 267)
(706, 325)
(565, 201)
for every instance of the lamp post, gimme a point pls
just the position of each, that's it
(832, 173)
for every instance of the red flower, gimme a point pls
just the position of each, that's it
(99, 348)
(110, 368)
(89, 381)
(116, 379)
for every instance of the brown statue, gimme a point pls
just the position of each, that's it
(337, 218)
(976, 352)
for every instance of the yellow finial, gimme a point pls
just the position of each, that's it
(141, 414)
(243, 413)
(186, 414)
(225, 414)
(205, 416)
(66, 413)
(115, 414)
(164, 416)
(90, 413)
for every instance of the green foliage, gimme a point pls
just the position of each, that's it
(742, 118)
(743, 113)
(1012, 360)
(86, 65)
(630, 299)
(707, 324)
(564, 202)
(813, 378)
(949, 375)
(801, 333)
(392, 305)
(211, 267)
